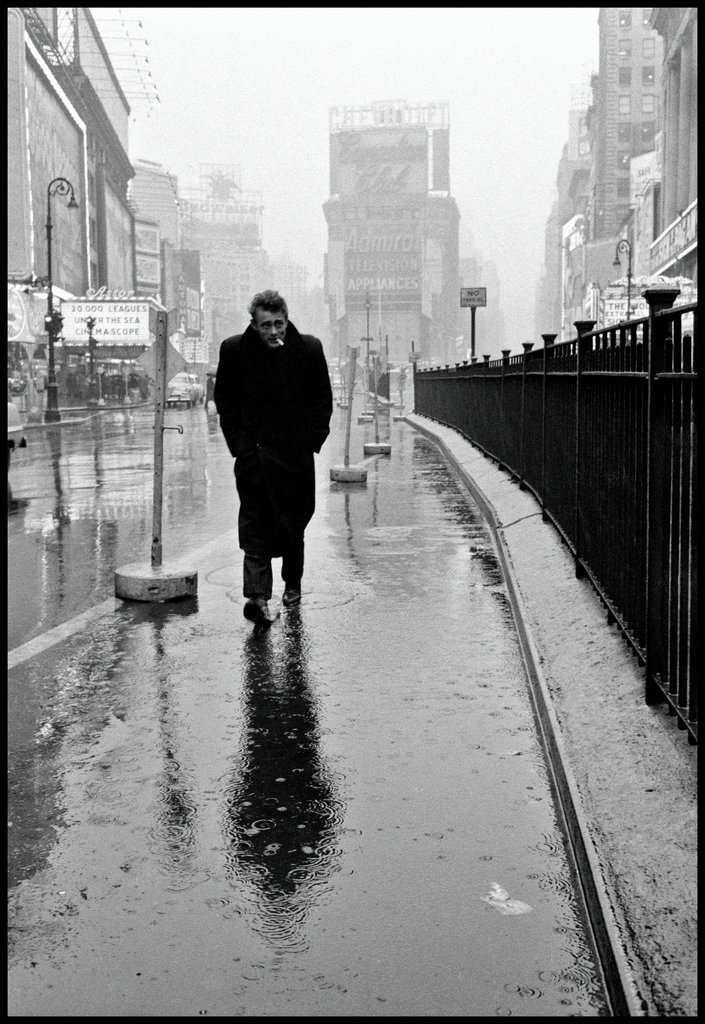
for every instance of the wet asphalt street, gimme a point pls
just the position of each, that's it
(346, 814)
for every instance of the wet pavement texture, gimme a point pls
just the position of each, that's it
(347, 813)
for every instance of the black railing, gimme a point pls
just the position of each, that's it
(603, 430)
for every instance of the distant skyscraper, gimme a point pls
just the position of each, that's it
(225, 225)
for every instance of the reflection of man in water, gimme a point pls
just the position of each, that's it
(282, 816)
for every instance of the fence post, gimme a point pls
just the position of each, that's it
(548, 341)
(583, 327)
(656, 515)
(505, 360)
(527, 346)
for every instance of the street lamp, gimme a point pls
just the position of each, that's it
(624, 245)
(92, 388)
(53, 319)
(368, 307)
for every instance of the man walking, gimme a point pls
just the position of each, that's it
(274, 401)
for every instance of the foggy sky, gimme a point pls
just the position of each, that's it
(252, 87)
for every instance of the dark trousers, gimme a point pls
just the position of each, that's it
(257, 571)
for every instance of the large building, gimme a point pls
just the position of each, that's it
(635, 182)
(675, 251)
(225, 224)
(627, 97)
(392, 259)
(67, 140)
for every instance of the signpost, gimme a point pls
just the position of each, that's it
(155, 582)
(473, 297)
(347, 473)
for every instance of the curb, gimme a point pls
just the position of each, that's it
(607, 747)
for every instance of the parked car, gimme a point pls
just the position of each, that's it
(15, 431)
(182, 390)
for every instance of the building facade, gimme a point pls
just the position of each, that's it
(675, 251)
(627, 98)
(641, 184)
(62, 125)
(391, 267)
(224, 224)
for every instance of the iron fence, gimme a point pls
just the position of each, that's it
(603, 430)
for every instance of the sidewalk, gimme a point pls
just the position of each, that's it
(636, 774)
(391, 726)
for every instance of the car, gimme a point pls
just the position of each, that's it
(15, 431)
(182, 390)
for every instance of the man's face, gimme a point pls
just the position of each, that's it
(271, 327)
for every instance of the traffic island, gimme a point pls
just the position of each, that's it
(349, 474)
(142, 581)
(377, 448)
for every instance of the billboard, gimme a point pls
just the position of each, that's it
(384, 256)
(182, 288)
(118, 241)
(379, 161)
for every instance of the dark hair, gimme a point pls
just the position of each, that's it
(269, 300)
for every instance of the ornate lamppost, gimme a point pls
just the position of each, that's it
(53, 319)
(624, 245)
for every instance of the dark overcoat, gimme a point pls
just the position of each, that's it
(274, 407)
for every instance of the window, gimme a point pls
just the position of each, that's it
(647, 134)
(625, 48)
(624, 133)
(625, 76)
(646, 15)
(625, 19)
(648, 48)
(623, 188)
(648, 104)
(623, 161)
(625, 104)
(647, 74)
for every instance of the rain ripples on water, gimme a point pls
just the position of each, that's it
(282, 813)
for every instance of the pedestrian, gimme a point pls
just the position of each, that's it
(274, 401)
(210, 389)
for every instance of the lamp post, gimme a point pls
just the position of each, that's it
(368, 307)
(92, 386)
(624, 245)
(53, 320)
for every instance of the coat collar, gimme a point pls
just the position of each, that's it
(252, 340)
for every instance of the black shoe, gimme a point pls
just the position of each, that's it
(292, 595)
(256, 609)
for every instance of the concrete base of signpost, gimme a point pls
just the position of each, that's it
(398, 417)
(349, 474)
(141, 581)
(365, 417)
(376, 448)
